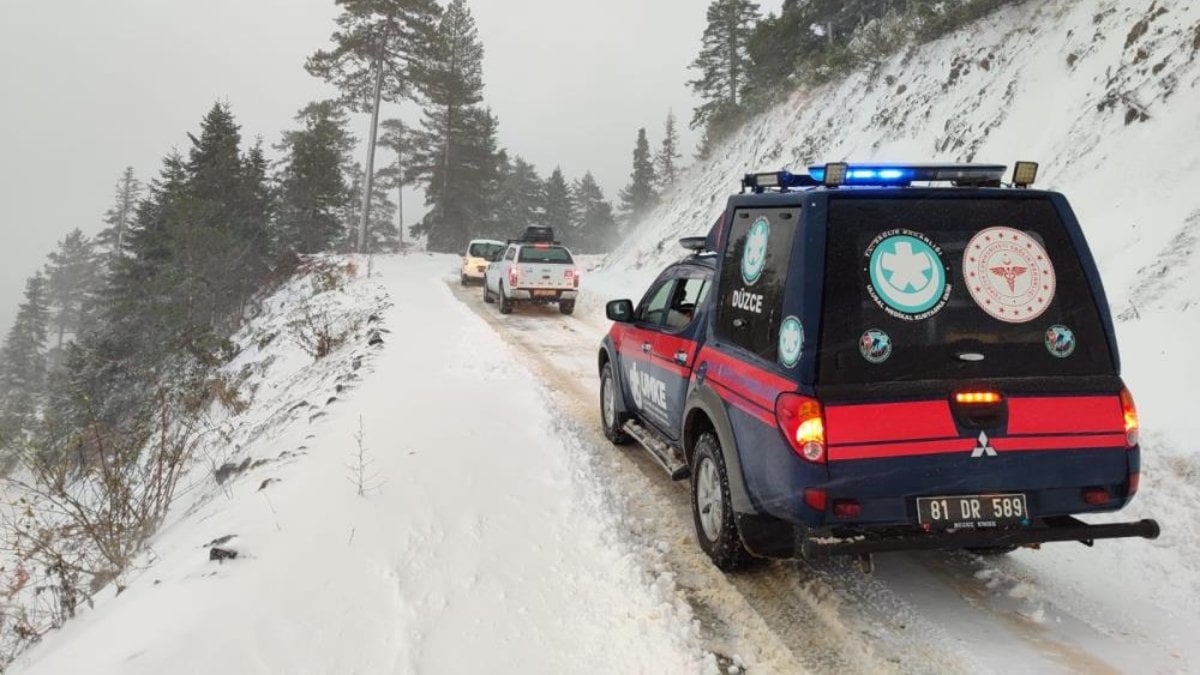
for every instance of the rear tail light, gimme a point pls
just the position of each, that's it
(1129, 410)
(816, 498)
(801, 420)
(977, 397)
(1135, 480)
(847, 508)
(1096, 496)
(514, 276)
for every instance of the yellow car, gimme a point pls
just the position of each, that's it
(479, 254)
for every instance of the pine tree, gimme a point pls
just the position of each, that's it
(377, 48)
(557, 207)
(314, 195)
(140, 300)
(72, 275)
(456, 158)
(396, 137)
(382, 235)
(220, 240)
(592, 215)
(23, 364)
(520, 201)
(640, 196)
(255, 225)
(665, 162)
(128, 190)
(723, 63)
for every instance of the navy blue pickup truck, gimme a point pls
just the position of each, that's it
(871, 358)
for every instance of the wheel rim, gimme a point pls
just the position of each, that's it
(608, 402)
(708, 499)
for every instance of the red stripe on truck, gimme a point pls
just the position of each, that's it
(875, 422)
(1065, 415)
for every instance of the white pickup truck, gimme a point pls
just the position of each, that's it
(535, 273)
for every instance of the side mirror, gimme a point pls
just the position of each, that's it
(620, 311)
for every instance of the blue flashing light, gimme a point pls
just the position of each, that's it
(906, 174)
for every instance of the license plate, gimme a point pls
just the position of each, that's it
(545, 294)
(972, 511)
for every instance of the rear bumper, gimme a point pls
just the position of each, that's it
(528, 294)
(887, 489)
(1059, 528)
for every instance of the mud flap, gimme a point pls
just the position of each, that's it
(767, 537)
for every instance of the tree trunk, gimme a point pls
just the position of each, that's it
(400, 196)
(369, 182)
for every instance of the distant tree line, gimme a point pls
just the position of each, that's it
(748, 61)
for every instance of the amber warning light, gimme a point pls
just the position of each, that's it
(977, 397)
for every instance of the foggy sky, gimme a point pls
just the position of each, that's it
(89, 87)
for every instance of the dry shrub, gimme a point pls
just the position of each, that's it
(82, 514)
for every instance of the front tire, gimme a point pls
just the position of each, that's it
(712, 507)
(487, 294)
(567, 307)
(611, 420)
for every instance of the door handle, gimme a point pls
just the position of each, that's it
(681, 358)
(646, 347)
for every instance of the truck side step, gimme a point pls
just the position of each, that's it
(662, 451)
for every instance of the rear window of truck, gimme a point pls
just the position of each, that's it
(484, 250)
(545, 254)
(955, 288)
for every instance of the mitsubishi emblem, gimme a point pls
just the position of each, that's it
(985, 449)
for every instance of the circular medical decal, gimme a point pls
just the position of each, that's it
(908, 279)
(754, 257)
(791, 341)
(1008, 274)
(1060, 341)
(875, 346)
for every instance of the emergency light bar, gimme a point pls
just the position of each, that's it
(834, 175)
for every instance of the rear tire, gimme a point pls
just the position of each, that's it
(712, 507)
(567, 307)
(612, 421)
(464, 280)
(506, 305)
